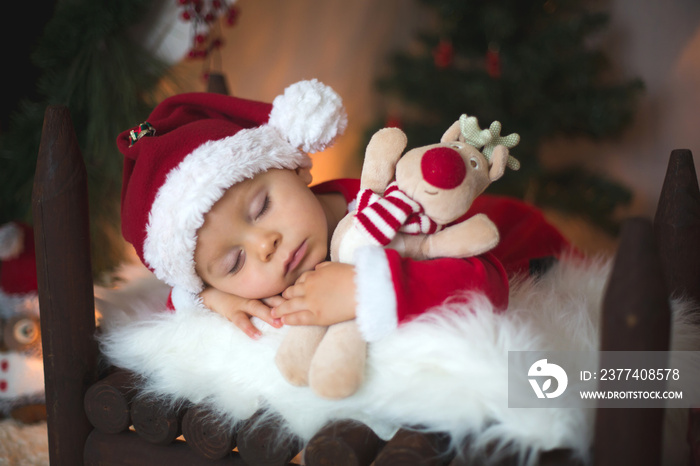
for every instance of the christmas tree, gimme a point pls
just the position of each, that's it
(528, 64)
(88, 60)
(87, 63)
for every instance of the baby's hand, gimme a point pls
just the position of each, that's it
(239, 310)
(323, 296)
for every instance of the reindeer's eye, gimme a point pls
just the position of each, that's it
(474, 163)
(456, 145)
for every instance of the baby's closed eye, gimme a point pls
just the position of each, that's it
(233, 261)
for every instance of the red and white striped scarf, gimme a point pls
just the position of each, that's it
(381, 217)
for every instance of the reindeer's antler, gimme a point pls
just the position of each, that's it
(488, 139)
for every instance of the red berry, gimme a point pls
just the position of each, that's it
(232, 15)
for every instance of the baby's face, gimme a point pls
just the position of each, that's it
(261, 236)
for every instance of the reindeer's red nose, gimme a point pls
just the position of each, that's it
(443, 168)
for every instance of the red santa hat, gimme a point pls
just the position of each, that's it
(194, 147)
(18, 270)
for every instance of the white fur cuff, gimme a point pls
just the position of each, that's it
(184, 301)
(375, 295)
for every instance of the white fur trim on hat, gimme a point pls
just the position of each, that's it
(185, 301)
(206, 173)
(310, 115)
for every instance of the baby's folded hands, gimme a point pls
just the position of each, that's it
(240, 310)
(323, 296)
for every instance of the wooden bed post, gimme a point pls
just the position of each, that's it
(62, 239)
(636, 317)
(677, 226)
(677, 229)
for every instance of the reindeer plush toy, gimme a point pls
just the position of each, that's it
(432, 186)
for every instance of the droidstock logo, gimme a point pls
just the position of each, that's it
(541, 369)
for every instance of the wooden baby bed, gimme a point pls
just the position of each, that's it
(95, 418)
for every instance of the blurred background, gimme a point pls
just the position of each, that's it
(600, 91)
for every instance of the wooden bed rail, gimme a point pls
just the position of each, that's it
(636, 317)
(64, 275)
(129, 429)
(677, 226)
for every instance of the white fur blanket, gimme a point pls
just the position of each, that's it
(446, 371)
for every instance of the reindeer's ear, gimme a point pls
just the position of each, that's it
(499, 160)
(381, 156)
(452, 133)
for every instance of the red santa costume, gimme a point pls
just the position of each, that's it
(392, 289)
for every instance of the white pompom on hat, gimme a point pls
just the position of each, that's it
(194, 147)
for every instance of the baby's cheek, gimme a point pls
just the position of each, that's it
(264, 287)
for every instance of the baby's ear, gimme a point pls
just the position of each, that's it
(305, 174)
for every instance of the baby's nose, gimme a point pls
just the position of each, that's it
(267, 245)
(443, 167)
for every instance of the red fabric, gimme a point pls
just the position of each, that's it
(348, 187)
(169, 306)
(18, 275)
(182, 123)
(525, 233)
(421, 285)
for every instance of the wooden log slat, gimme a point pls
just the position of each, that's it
(205, 435)
(216, 83)
(677, 226)
(560, 457)
(557, 457)
(636, 317)
(128, 449)
(411, 447)
(343, 443)
(260, 443)
(156, 422)
(107, 402)
(64, 273)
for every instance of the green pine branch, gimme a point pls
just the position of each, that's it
(89, 64)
